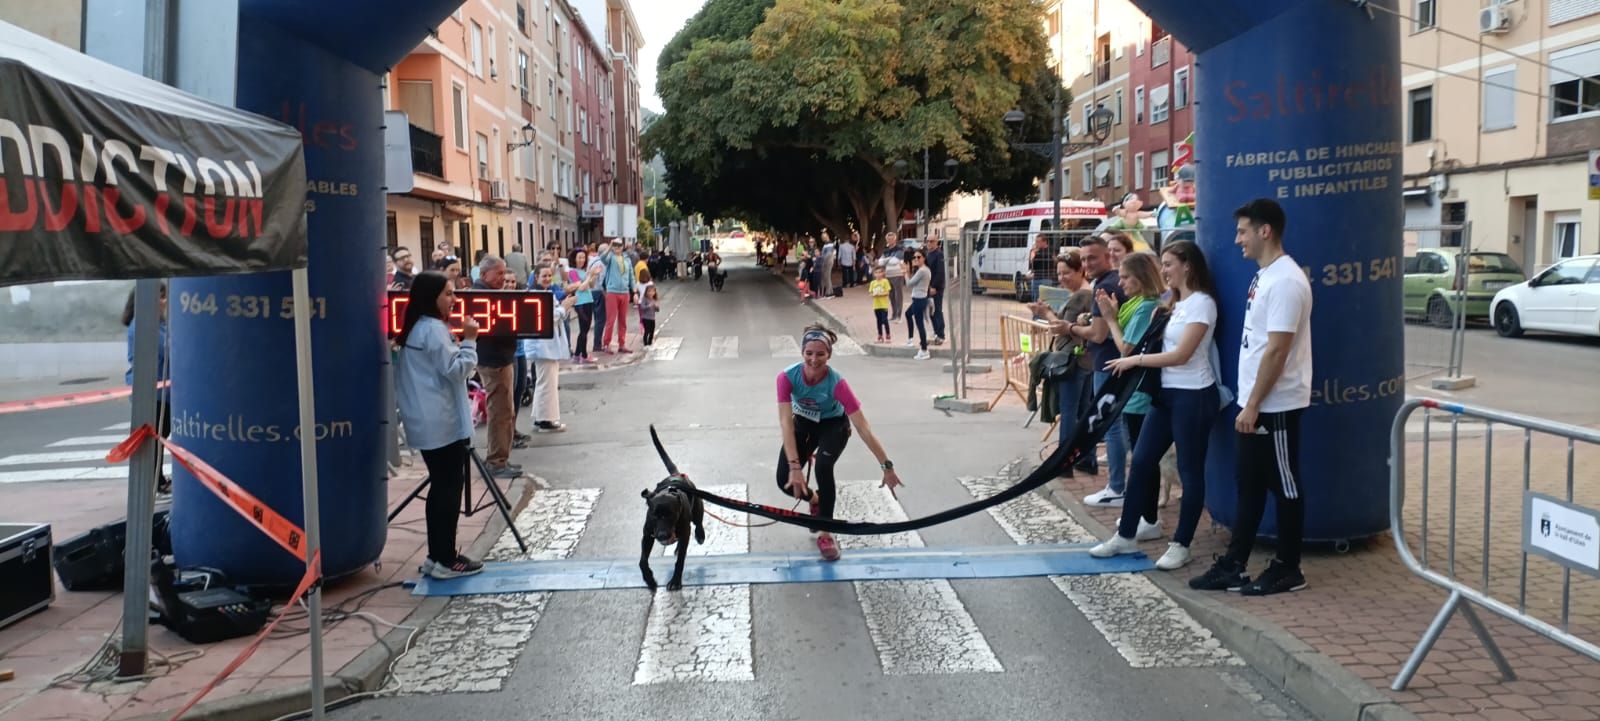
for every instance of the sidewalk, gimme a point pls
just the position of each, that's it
(273, 682)
(1364, 611)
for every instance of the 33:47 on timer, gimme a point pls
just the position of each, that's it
(1356, 271)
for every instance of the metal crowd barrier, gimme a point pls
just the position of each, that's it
(1020, 338)
(1535, 533)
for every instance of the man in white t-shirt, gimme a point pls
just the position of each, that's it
(1274, 391)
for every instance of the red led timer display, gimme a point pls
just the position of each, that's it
(502, 313)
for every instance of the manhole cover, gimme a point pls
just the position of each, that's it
(579, 386)
(82, 381)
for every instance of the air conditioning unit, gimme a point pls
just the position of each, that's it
(497, 190)
(1493, 20)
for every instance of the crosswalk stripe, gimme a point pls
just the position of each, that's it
(784, 346)
(725, 346)
(124, 426)
(474, 644)
(701, 633)
(69, 474)
(665, 348)
(848, 346)
(1138, 619)
(106, 441)
(919, 626)
(28, 459)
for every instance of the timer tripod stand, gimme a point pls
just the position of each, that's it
(492, 495)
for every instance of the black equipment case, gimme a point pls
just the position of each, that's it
(25, 582)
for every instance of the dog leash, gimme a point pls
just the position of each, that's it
(768, 523)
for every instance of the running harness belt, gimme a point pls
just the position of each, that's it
(1106, 408)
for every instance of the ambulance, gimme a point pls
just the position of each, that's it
(1000, 253)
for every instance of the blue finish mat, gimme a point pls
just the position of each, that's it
(797, 567)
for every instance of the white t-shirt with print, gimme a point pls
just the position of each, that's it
(1195, 373)
(1279, 302)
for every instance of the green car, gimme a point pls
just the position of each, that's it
(1433, 278)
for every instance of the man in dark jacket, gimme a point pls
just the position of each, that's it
(935, 259)
(497, 359)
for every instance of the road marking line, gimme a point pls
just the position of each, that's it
(848, 346)
(70, 474)
(784, 346)
(665, 349)
(107, 441)
(701, 633)
(117, 427)
(474, 644)
(29, 459)
(920, 626)
(1137, 618)
(725, 346)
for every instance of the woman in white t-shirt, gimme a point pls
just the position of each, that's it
(1182, 413)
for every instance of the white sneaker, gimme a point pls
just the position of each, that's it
(1148, 531)
(1176, 557)
(911, 342)
(1104, 498)
(922, 355)
(1114, 546)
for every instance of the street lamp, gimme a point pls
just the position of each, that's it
(1097, 127)
(927, 183)
(527, 138)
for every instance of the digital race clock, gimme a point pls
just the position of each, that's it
(499, 313)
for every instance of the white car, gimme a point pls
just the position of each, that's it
(1564, 298)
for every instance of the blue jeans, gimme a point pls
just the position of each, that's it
(1069, 406)
(1177, 415)
(599, 320)
(1116, 445)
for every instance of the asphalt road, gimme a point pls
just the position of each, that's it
(914, 650)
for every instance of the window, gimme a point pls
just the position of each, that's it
(1116, 170)
(1138, 104)
(1138, 171)
(463, 240)
(1118, 107)
(1500, 98)
(1102, 59)
(522, 74)
(1088, 176)
(489, 53)
(522, 18)
(483, 232)
(1575, 81)
(1568, 273)
(416, 99)
(1564, 10)
(393, 233)
(475, 50)
(1088, 109)
(459, 103)
(1180, 88)
(583, 118)
(1158, 169)
(483, 157)
(551, 101)
(1420, 123)
(1564, 244)
(425, 233)
(1453, 214)
(1423, 15)
(1159, 107)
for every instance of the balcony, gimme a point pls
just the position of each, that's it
(427, 153)
(1161, 52)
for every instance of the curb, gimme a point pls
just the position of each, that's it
(366, 673)
(1326, 690)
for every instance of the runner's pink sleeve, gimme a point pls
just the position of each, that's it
(785, 390)
(845, 396)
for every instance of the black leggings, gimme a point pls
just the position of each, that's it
(827, 438)
(447, 477)
(585, 319)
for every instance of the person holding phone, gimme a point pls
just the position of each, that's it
(431, 371)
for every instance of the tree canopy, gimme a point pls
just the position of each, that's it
(792, 113)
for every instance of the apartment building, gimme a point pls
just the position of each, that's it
(624, 39)
(1502, 105)
(594, 147)
(1114, 57)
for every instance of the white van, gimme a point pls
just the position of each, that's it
(1000, 256)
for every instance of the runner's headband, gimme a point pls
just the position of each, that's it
(816, 335)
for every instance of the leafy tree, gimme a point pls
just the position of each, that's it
(792, 113)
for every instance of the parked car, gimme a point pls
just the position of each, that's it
(1564, 298)
(1433, 278)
